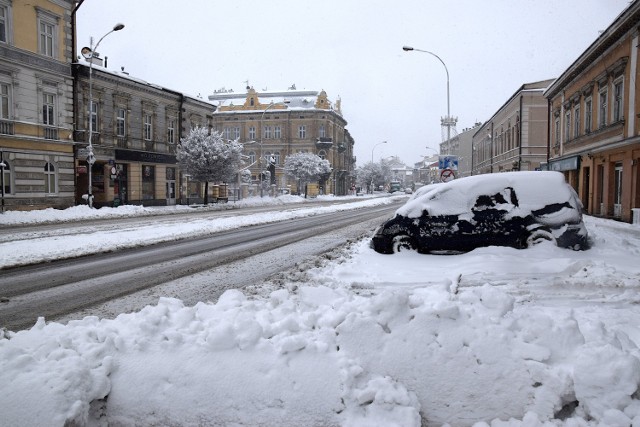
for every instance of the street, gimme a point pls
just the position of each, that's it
(194, 269)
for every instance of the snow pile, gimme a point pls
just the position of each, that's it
(322, 356)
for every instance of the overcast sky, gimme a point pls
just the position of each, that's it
(353, 50)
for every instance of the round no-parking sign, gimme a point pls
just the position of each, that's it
(447, 175)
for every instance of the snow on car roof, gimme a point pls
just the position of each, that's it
(534, 190)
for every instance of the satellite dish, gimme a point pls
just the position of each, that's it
(86, 52)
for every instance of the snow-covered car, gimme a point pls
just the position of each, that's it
(517, 209)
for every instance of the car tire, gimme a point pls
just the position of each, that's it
(401, 243)
(540, 235)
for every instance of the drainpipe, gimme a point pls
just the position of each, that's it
(74, 75)
(548, 130)
(520, 137)
(491, 148)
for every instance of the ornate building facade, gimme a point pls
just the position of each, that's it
(36, 113)
(136, 127)
(273, 125)
(594, 112)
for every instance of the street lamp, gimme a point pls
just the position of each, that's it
(374, 147)
(89, 54)
(273, 104)
(448, 118)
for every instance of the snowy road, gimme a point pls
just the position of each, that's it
(65, 286)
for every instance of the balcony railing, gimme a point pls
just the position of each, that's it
(121, 142)
(6, 127)
(50, 133)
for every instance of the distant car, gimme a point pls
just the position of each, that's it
(408, 190)
(517, 209)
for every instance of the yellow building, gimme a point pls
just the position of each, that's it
(273, 125)
(36, 104)
(594, 106)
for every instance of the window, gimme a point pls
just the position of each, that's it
(567, 125)
(93, 116)
(121, 122)
(602, 108)
(49, 178)
(148, 182)
(276, 155)
(302, 131)
(4, 23)
(252, 156)
(322, 154)
(617, 101)
(321, 131)
(236, 133)
(576, 121)
(588, 114)
(5, 102)
(277, 132)
(171, 131)
(227, 133)
(557, 129)
(252, 133)
(6, 174)
(48, 109)
(147, 127)
(47, 35)
(267, 132)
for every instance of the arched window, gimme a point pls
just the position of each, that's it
(49, 178)
(322, 154)
(252, 157)
(276, 155)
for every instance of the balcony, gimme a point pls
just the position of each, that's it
(6, 127)
(121, 142)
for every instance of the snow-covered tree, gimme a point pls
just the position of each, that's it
(306, 167)
(208, 158)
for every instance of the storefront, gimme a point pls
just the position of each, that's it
(144, 178)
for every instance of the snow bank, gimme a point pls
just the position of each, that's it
(321, 356)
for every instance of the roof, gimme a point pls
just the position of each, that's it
(625, 22)
(290, 99)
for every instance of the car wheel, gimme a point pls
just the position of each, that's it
(540, 235)
(402, 243)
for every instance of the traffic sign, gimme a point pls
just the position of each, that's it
(447, 175)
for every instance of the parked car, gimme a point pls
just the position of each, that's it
(517, 209)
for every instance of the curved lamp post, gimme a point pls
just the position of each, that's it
(374, 147)
(89, 54)
(448, 118)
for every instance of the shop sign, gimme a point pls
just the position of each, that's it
(568, 164)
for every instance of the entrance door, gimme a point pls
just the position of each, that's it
(171, 186)
(617, 191)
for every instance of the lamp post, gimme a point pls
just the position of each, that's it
(89, 54)
(447, 121)
(273, 104)
(374, 147)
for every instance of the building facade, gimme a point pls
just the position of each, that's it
(514, 138)
(136, 127)
(593, 113)
(36, 104)
(274, 125)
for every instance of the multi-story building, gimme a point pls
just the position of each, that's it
(514, 138)
(594, 134)
(136, 126)
(460, 145)
(36, 113)
(273, 125)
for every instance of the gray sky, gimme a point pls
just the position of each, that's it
(353, 50)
